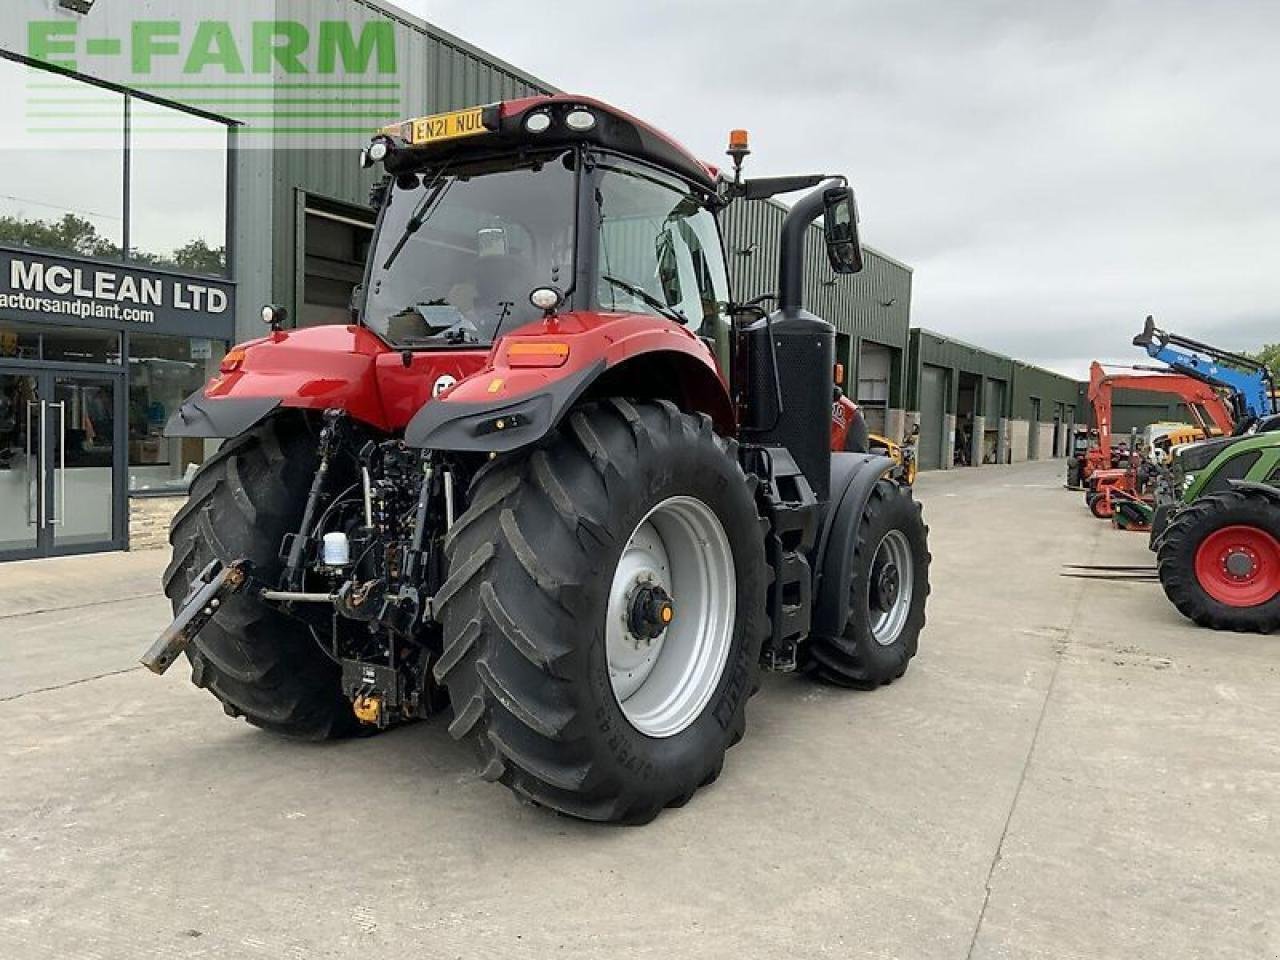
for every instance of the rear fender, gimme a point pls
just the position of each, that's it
(508, 405)
(853, 477)
(310, 369)
(1253, 486)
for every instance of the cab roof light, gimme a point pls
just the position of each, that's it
(580, 120)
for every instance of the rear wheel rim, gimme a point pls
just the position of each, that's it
(1239, 565)
(890, 589)
(680, 551)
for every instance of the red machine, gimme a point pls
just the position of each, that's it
(552, 480)
(1102, 477)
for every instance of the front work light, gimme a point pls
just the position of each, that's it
(545, 298)
(580, 120)
(378, 151)
(539, 122)
(274, 316)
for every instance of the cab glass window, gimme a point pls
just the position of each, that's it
(659, 248)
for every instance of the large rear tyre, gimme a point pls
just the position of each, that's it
(259, 663)
(886, 596)
(604, 612)
(1219, 562)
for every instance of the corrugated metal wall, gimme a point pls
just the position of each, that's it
(933, 349)
(873, 304)
(1022, 380)
(1051, 389)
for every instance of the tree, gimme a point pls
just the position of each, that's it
(71, 234)
(1270, 355)
(199, 257)
(76, 235)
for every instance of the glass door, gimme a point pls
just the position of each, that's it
(20, 400)
(60, 466)
(82, 424)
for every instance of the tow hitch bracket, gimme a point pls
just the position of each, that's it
(208, 592)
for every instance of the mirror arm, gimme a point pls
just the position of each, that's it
(763, 188)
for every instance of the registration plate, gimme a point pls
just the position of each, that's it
(448, 126)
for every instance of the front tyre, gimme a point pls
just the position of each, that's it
(604, 612)
(1219, 562)
(887, 595)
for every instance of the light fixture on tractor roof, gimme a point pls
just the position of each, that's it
(537, 122)
(376, 152)
(580, 120)
(739, 150)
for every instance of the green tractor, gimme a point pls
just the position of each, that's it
(1217, 534)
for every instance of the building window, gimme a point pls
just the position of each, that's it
(170, 223)
(59, 192)
(337, 244)
(25, 341)
(164, 371)
(63, 172)
(18, 341)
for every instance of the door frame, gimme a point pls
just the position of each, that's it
(45, 372)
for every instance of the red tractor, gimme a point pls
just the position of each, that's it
(552, 479)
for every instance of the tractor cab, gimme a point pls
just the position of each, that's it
(493, 217)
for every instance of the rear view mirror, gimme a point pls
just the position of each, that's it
(840, 222)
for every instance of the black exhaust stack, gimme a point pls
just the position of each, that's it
(804, 346)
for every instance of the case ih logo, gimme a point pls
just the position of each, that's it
(273, 76)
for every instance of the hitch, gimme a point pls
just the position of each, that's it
(208, 591)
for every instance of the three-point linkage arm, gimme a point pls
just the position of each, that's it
(1249, 381)
(1196, 394)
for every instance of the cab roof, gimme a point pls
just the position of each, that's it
(491, 128)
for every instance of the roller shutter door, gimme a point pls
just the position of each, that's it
(933, 393)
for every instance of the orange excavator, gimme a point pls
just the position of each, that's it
(1098, 471)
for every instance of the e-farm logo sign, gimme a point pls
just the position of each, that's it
(276, 76)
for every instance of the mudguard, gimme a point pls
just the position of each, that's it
(853, 477)
(1254, 486)
(486, 427)
(198, 416)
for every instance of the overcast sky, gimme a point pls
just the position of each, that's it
(1052, 171)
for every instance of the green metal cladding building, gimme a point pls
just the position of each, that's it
(974, 406)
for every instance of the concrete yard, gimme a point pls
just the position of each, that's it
(1069, 769)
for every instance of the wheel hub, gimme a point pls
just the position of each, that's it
(887, 585)
(1240, 564)
(650, 612)
(889, 592)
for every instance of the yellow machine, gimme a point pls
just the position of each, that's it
(904, 458)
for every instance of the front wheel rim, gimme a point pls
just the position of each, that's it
(1239, 565)
(680, 551)
(890, 588)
